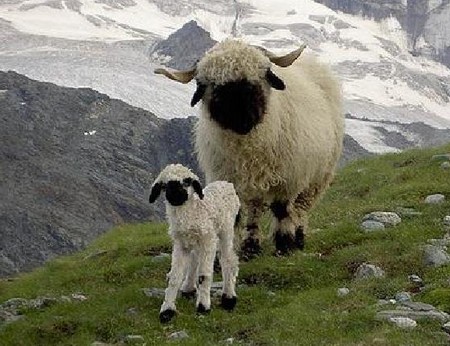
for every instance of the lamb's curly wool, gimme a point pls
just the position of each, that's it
(286, 157)
(199, 227)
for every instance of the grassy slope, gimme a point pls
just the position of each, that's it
(284, 301)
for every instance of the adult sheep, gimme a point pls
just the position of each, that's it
(271, 125)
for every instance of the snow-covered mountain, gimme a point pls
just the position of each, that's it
(113, 46)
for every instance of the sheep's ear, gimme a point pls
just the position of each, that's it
(178, 76)
(156, 191)
(198, 188)
(274, 81)
(284, 60)
(201, 88)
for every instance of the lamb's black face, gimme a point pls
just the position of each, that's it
(176, 193)
(238, 106)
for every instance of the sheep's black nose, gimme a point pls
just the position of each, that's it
(176, 195)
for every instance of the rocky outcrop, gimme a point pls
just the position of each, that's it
(74, 163)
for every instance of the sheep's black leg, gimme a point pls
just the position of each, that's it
(287, 236)
(251, 246)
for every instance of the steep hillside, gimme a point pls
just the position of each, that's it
(74, 163)
(328, 295)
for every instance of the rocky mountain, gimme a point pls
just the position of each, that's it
(426, 22)
(74, 163)
(113, 47)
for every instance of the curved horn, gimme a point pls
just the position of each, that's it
(284, 60)
(178, 76)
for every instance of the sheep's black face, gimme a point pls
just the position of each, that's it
(176, 194)
(238, 106)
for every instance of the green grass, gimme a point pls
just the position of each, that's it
(282, 301)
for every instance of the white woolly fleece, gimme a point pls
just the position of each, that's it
(199, 228)
(295, 147)
(232, 60)
(175, 172)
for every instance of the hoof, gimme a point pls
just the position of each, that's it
(228, 303)
(202, 310)
(250, 249)
(166, 315)
(189, 295)
(285, 243)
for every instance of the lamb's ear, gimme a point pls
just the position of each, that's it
(274, 81)
(198, 188)
(156, 191)
(201, 88)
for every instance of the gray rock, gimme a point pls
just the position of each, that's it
(447, 220)
(131, 339)
(382, 302)
(161, 257)
(440, 157)
(415, 315)
(371, 226)
(318, 18)
(446, 327)
(403, 297)
(57, 208)
(408, 211)
(445, 165)
(415, 279)
(366, 271)
(441, 243)
(178, 335)
(403, 322)
(340, 24)
(385, 217)
(435, 256)
(78, 296)
(435, 199)
(343, 291)
(418, 306)
(154, 292)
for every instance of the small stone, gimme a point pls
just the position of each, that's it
(382, 302)
(154, 292)
(435, 256)
(343, 291)
(130, 339)
(366, 271)
(441, 243)
(416, 315)
(132, 311)
(403, 297)
(408, 212)
(447, 220)
(415, 279)
(435, 199)
(161, 257)
(370, 226)
(78, 296)
(178, 335)
(446, 327)
(418, 306)
(445, 165)
(403, 322)
(387, 218)
(229, 341)
(441, 157)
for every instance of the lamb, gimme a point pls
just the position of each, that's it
(271, 125)
(200, 223)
